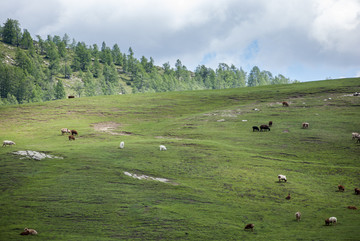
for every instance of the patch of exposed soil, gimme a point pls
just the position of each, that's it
(110, 127)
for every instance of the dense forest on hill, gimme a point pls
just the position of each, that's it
(35, 70)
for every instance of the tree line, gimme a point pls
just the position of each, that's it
(40, 67)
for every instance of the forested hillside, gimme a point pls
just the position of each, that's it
(35, 70)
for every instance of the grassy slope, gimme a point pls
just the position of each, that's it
(227, 174)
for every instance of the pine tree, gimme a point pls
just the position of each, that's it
(59, 90)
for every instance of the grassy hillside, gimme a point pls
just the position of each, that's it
(221, 175)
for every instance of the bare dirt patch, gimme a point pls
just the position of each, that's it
(110, 127)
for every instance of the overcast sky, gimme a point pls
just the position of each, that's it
(301, 39)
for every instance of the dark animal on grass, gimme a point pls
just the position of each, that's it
(298, 216)
(29, 231)
(357, 191)
(264, 127)
(255, 128)
(71, 137)
(74, 132)
(249, 226)
(270, 123)
(357, 136)
(352, 207)
(284, 103)
(71, 97)
(288, 197)
(305, 125)
(341, 188)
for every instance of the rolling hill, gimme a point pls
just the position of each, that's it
(216, 176)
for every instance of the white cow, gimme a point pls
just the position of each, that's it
(8, 143)
(162, 148)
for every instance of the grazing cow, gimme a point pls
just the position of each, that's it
(284, 103)
(331, 220)
(122, 145)
(357, 191)
(352, 207)
(249, 226)
(8, 143)
(282, 178)
(341, 188)
(270, 123)
(65, 130)
(298, 216)
(288, 197)
(29, 231)
(305, 125)
(264, 127)
(71, 137)
(71, 97)
(255, 128)
(74, 132)
(162, 148)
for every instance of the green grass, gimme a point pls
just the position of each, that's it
(226, 174)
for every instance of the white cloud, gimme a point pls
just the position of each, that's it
(306, 35)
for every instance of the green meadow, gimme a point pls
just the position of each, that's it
(221, 175)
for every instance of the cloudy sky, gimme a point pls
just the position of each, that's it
(301, 39)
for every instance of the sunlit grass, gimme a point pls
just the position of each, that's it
(223, 174)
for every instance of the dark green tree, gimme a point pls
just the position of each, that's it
(27, 41)
(254, 78)
(59, 90)
(66, 40)
(82, 59)
(11, 32)
(117, 55)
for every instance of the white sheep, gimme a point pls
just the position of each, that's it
(65, 130)
(122, 145)
(8, 143)
(332, 220)
(354, 134)
(282, 178)
(29, 231)
(298, 216)
(162, 148)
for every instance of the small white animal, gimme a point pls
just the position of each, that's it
(282, 178)
(162, 148)
(8, 143)
(122, 145)
(29, 231)
(298, 216)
